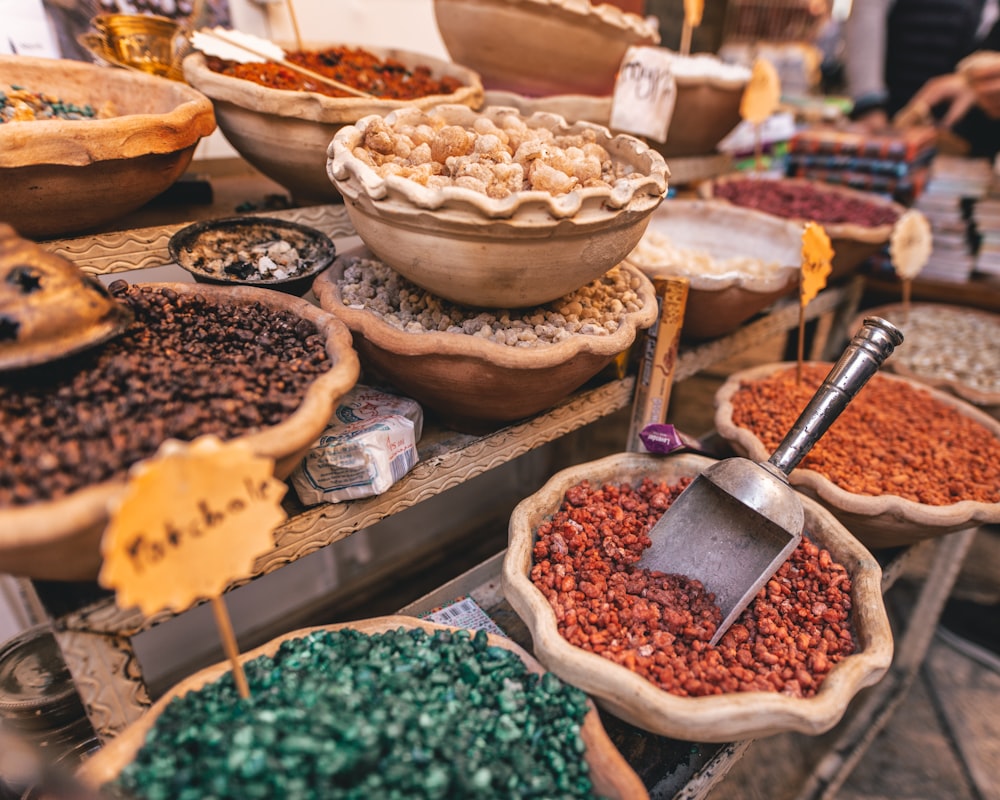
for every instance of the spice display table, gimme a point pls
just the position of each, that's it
(95, 636)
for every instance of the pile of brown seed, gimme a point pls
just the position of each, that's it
(188, 366)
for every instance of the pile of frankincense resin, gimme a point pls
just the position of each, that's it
(596, 309)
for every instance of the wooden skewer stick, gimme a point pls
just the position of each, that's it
(290, 65)
(295, 24)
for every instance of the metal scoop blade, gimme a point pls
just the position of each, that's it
(738, 521)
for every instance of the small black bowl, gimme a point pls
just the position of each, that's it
(228, 252)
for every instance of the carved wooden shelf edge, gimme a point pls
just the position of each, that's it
(141, 248)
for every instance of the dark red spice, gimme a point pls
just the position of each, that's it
(789, 638)
(894, 438)
(386, 78)
(805, 201)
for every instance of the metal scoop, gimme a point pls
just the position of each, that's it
(738, 521)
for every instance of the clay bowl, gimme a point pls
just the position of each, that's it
(707, 106)
(852, 243)
(59, 539)
(572, 107)
(719, 301)
(611, 775)
(471, 382)
(67, 176)
(715, 718)
(221, 251)
(524, 249)
(948, 347)
(285, 134)
(878, 521)
(541, 47)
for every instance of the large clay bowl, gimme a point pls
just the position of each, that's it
(68, 176)
(885, 520)
(715, 718)
(852, 243)
(707, 105)
(948, 347)
(612, 776)
(285, 134)
(59, 539)
(719, 302)
(541, 47)
(473, 383)
(572, 107)
(524, 249)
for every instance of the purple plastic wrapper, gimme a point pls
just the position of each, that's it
(662, 439)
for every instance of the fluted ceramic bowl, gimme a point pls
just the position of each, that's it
(878, 520)
(59, 539)
(611, 775)
(523, 249)
(714, 718)
(473, 383)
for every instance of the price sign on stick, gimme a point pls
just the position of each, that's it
(693, 10)
(817, 255)
(910, 248)
(760, 100)
(645, 93)
(192, 519)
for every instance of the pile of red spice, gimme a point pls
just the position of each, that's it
(382, 77)
(789, 638)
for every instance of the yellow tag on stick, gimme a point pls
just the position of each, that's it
(762, 93)
(193, 519)
(693, 10)
(817, 255)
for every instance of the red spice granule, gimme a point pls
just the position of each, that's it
(386, 78)
(659, 625)
(894, 438)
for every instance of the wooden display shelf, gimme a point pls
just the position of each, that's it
(96, 636)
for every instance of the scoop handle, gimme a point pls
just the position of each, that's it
(862, 357)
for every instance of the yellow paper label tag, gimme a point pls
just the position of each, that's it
(693, 10)
(910, 244)
(192, 519)
(762, 93)
(817, 255)
(645, 93)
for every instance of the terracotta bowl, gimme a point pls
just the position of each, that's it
(719, 302)
(572, 107)
(541, 47)
(852, 244)
(948, 347)
(59, 539)
(611, 775)
(878, 521)
(285, 134)
(715, 718)
(525, 249)
(67, 176)
(474, 383)
(707, 106)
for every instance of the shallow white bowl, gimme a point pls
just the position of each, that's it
(718, 303)
(522, 250)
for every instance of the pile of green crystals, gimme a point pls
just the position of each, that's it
(20, 104)
(343, 714)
